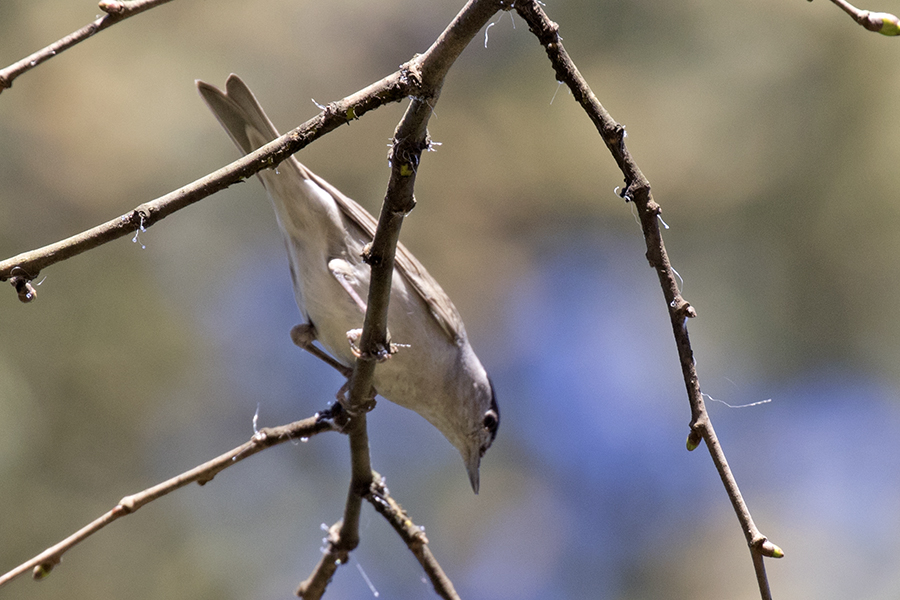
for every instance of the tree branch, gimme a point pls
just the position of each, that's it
(43, 563)
(410, 139)
(637, 190)
(412, 535)
(24, 267)
(115, 10)
(421, 79)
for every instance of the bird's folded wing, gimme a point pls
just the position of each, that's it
(245, 121)
(439, 303)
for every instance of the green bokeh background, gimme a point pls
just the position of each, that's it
(769, 133)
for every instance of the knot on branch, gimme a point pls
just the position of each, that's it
(406, 153)
(546, 31)
(126, 505)
(619, 135)
(140, 217)
(638, 191)
(682, 308)
(336, 416)
(331, 415)
(338, 109)
(370, 258)
(348, 411)
(411, 75)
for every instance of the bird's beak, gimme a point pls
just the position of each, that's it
(472, 464)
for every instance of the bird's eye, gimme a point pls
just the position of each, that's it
(491, 421)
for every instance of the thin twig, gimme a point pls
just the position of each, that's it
(879, 22)
(637, 190)
(43, 563)
(115, 10)
(412, 535)
(26, 266)
(313, 587)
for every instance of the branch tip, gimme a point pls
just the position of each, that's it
(880, 22)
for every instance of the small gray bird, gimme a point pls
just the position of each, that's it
(438, 374)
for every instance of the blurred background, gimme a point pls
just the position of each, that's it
(768, 130)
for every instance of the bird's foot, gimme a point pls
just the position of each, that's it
(383, 353)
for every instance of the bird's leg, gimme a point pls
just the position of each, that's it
(303, 336)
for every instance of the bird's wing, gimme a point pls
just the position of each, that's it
(439, 303)
(237, 110)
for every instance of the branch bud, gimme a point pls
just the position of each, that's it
(890, 24)
(883, 23)
(693, 441)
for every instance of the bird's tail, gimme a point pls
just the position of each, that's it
(239, 113)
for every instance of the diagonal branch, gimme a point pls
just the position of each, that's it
(43, 563)
(412, 535)
(116, 10)
(26, 266)
(637, 190)
(410, 139)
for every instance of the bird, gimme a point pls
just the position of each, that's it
(432, 369)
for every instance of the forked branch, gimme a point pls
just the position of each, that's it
(409, 141)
